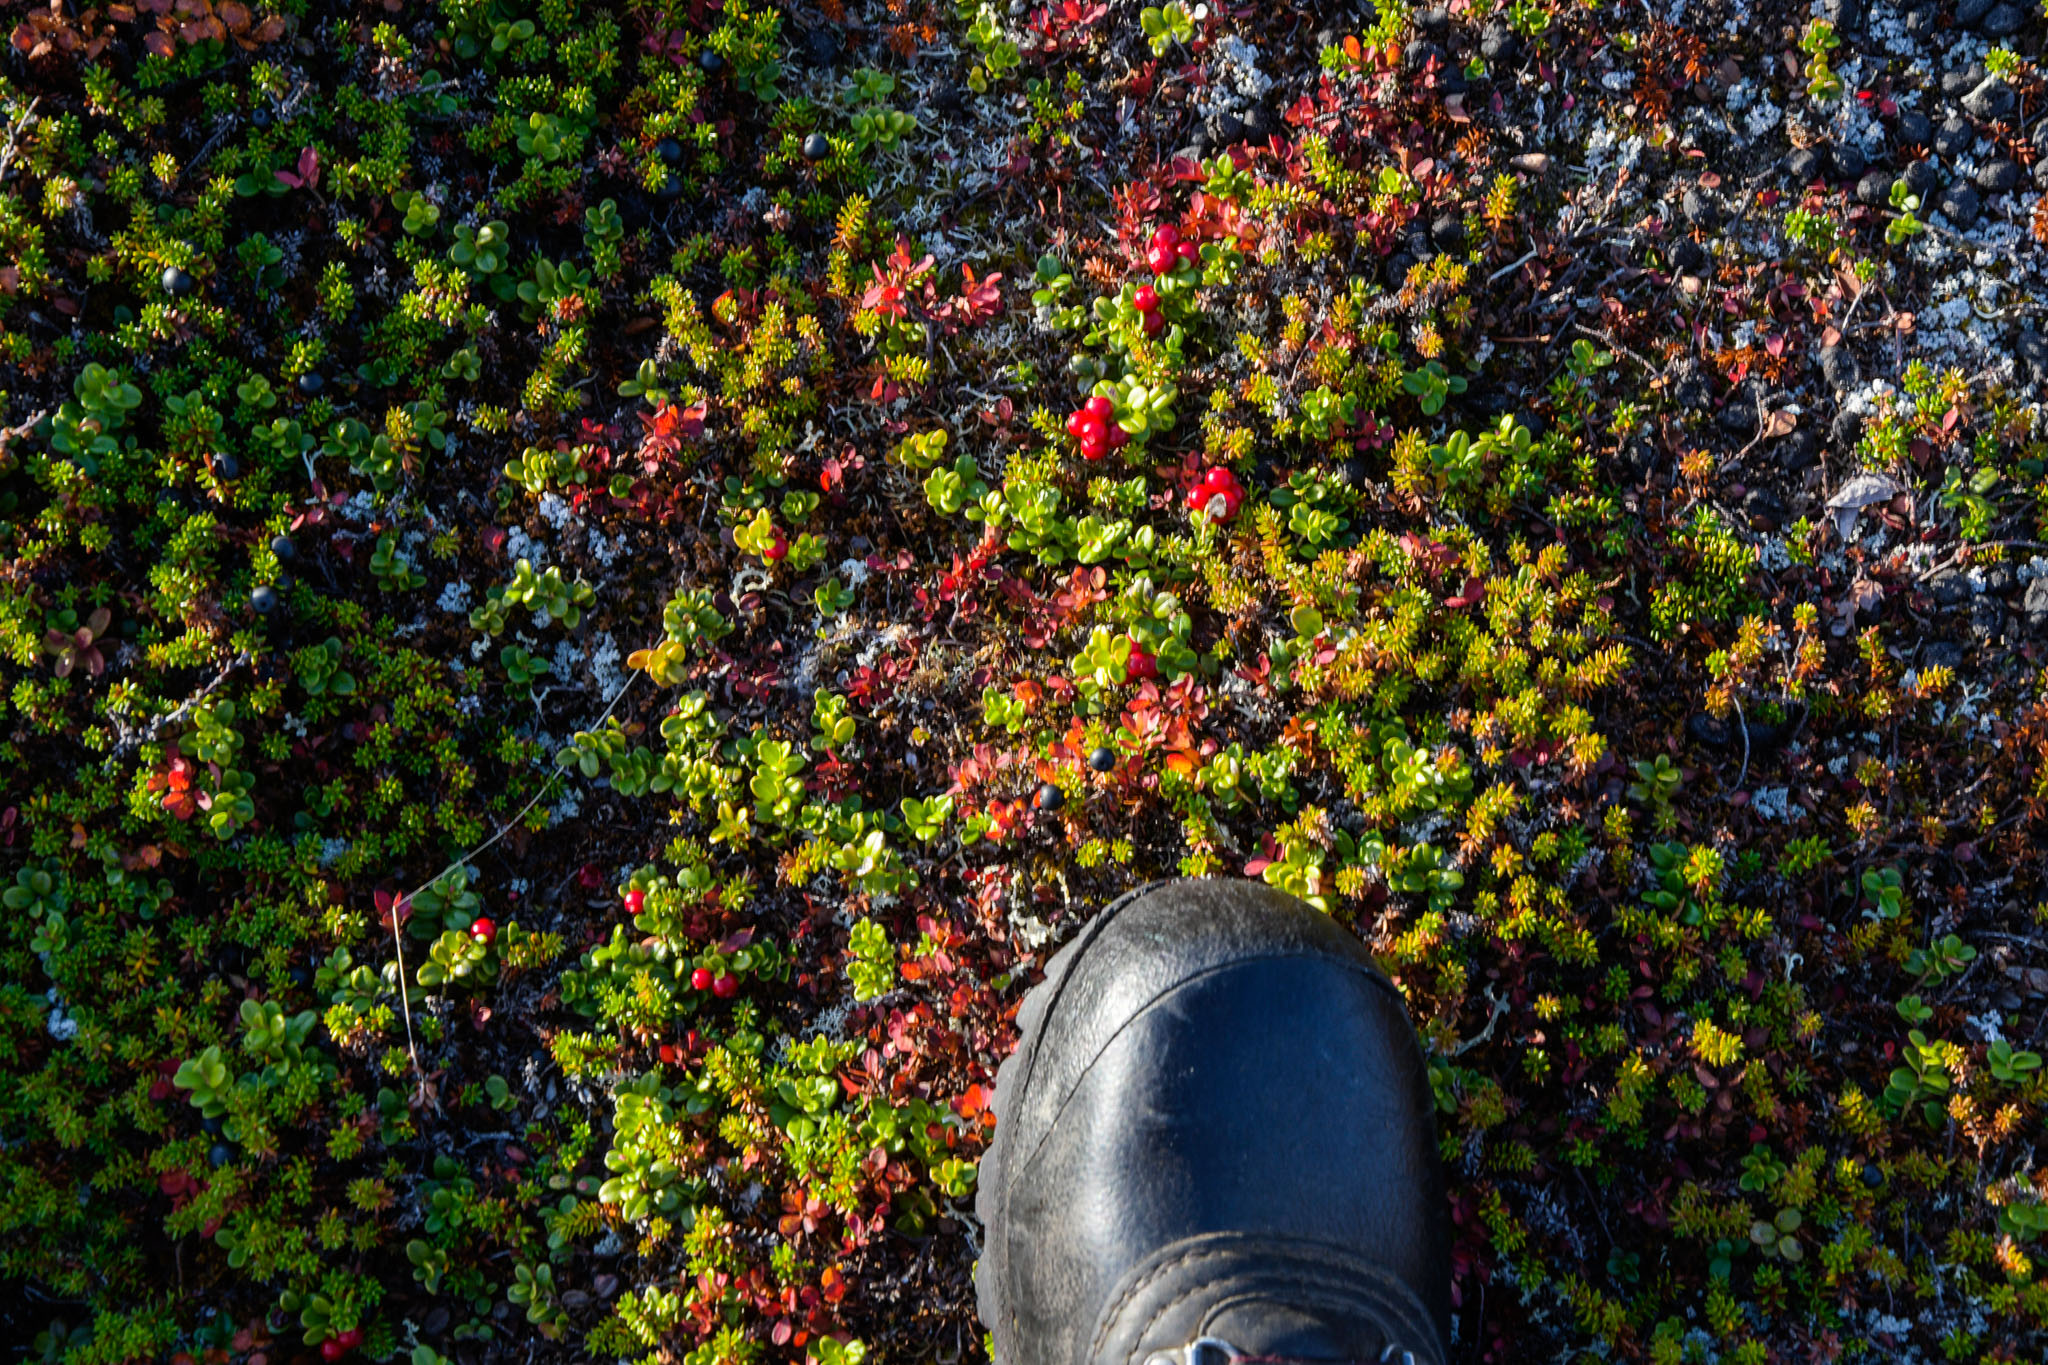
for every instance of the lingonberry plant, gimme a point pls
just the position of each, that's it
(592, 586)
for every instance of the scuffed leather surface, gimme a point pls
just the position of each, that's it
(1215, 1058)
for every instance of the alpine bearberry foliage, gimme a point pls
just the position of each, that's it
(591, 586)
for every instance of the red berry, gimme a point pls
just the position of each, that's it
(1141, 666)
(726, 986)
(1166, 235)
(1077, 423)
(1154, 324)
(1101, 407)
(483, 929)
(779, 550)
(351, 1339)
(332, 1349)
(1161, 259)
(635, 902)
(1190, 253)
(1118, 438)
(1145, 298)
(701, 979)
(1094, 446)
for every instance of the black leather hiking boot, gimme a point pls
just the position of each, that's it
(1215, 1141)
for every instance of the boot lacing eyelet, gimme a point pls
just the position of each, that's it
(1191, 1354)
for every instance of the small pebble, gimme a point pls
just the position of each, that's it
(1998, 177)
(1960, 204)
(1921, 20)
(1848, 160)
(1838, 366)
(1915, 129)
(1874, 189)
(1991, 101)
(1922, 179)
(2004, 21)
(1954, 137)
(1803, 165)
(1499, 45)
(1970, 13)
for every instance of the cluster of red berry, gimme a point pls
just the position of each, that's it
(1218, 493)
(1168, 252)
(1093, 424)
(1146, 300)
(341, 1343)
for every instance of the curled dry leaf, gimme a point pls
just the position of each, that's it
(1861, 491)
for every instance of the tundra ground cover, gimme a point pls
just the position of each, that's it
(591, 587)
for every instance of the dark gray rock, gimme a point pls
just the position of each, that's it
(1999, 580)
(1915, 129)
(1689, 258)
(1922, 20)
(1500, 45)
(2034, 606)
(2041, 175)
(1803, 165)
(1957, 83)
(1951, 588)
(1970, 13)
(822, 45)
(1448, 233)
(1738, 416)
(1227, 127)
(1701, 208)
(2032, 349)
(1798, 452)
(1960, 204)
(1998, 177)
(1922, 179)
(1991, 100)
(1765, 509)
(1688, 389)
(1843, 14)
(1987, 619)
(1420, 53)
(1846, 430)
(1839, 368)
(1874, 189)
(2004, 21)
(1953, 138)
(1848, 160)
(1436, 22)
